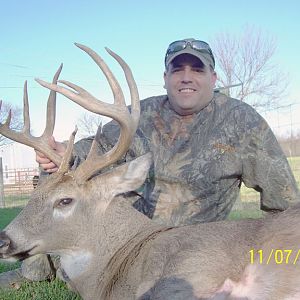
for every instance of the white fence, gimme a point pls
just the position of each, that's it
(16, 185)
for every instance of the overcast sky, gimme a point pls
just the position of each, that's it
(36, 36)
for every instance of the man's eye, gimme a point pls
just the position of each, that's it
(64, 202)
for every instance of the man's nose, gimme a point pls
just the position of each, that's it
(186, 76)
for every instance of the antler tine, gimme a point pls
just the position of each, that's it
(26, 116)
(114, 85)
(51, 108)
(135, 103)
(25, 137)
(64, 166)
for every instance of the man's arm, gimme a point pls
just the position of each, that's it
(266, 169)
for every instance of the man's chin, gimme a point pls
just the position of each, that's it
(186, 109)
(182, 108)
(186, 112)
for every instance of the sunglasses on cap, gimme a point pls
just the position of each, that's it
(196, 45)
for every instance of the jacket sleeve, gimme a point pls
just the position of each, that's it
(265, 167)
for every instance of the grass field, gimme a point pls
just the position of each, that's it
(295, 166)
(16, 200)
(56, 290)
(7, 214)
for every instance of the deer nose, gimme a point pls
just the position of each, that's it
(4, 241)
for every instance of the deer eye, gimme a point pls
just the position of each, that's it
(64, 202)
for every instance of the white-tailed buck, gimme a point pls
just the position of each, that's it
(109, 250)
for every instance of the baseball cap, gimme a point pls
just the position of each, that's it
(197, 48)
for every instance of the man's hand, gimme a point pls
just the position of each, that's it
(46, 164)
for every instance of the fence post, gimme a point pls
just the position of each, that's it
(2, 202)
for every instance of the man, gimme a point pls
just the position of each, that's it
(204, 145)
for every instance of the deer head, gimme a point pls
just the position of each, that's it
(69, 209)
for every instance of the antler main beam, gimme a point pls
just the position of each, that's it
(24, 137)
(118, 111)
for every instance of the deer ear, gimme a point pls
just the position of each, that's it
(132, 175)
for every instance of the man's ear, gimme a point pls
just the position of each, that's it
(130, 176)
(214, 77)
(165, 74)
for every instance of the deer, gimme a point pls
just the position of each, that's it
(109, 250)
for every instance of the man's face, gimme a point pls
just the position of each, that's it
(189, 84)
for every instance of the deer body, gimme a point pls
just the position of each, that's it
(89, 239)
(111, 251)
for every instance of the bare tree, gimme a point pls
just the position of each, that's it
(88, 124)
(16, 119)
(247, 60)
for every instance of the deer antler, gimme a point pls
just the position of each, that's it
(118, 111)
(24, 137)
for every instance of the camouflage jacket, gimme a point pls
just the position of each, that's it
(200, 160)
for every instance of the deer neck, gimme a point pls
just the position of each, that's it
(124, 225)
(119, 231)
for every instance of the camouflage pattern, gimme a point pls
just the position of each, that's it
(200, 160)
